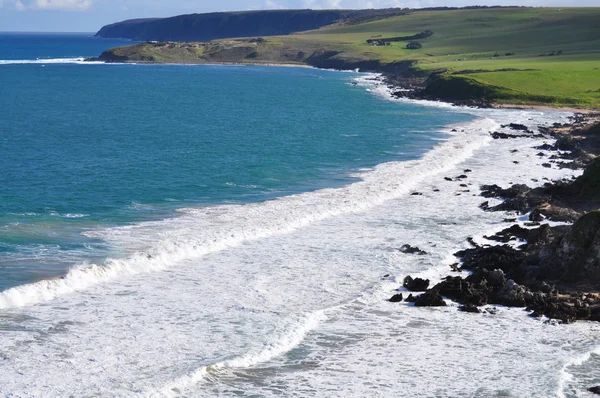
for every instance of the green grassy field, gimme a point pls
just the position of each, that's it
(520, 55)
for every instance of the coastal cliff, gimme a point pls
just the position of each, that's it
(218, 25)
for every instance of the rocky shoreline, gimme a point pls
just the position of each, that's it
(552, 271)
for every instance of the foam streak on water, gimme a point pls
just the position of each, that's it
(77, 61)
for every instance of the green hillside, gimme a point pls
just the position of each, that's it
(509, 55)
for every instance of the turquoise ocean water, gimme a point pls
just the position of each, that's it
(90, 146)
(203, 231)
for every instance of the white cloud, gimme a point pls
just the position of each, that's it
(270, 4)
(72, 5)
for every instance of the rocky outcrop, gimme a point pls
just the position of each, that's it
(553, 267)
(408, 249)
(431, 298)
(416, 284)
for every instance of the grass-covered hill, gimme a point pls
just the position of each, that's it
(506, 55)
(217, 25)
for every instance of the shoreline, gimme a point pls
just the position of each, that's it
(429, 326)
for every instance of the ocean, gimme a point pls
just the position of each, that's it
(210, 230)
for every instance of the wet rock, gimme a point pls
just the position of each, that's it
(546, 165)
(513, 204)
(447, 178)
(416, 284)
(462, 176)
(516, 126)
(430, 298)
(396, 298)
(469, 308)
(594, 390)
(416, 193)
(511, 295)
(505, 258)
(411, 298)
(462, 290)
(497, 135)
(545, 147)
(536, 215)
(494, 191)
(491, 191)
(556, 213)
(567, 143)
(408, 249)
(509, 234)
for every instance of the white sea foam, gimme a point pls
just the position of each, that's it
(44, 61)
(201, 231)
(566, 377)
(282, 344)
(220, 322)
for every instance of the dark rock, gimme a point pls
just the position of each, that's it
(556, 213)
(430, 298)
(516, 126)
(411, 298)
(416, 193)
(546, 165)
(497, 135)
(594, 390)
(396, 298)
(469, 308)
(536, 215)
(447, 178)
(567, 143)
(408, 249)
(546, 147)
(467, 170)
(494, 191)
(455, 267)
(508, 234)
(505, 258)
(513, 204)
(511, 294)
(462, 290)
(462, 176)
(491, 191)
(416, 284)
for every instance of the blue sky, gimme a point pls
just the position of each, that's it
(91, 15)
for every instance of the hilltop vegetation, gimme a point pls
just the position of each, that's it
(510, 55)
(217, 25)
